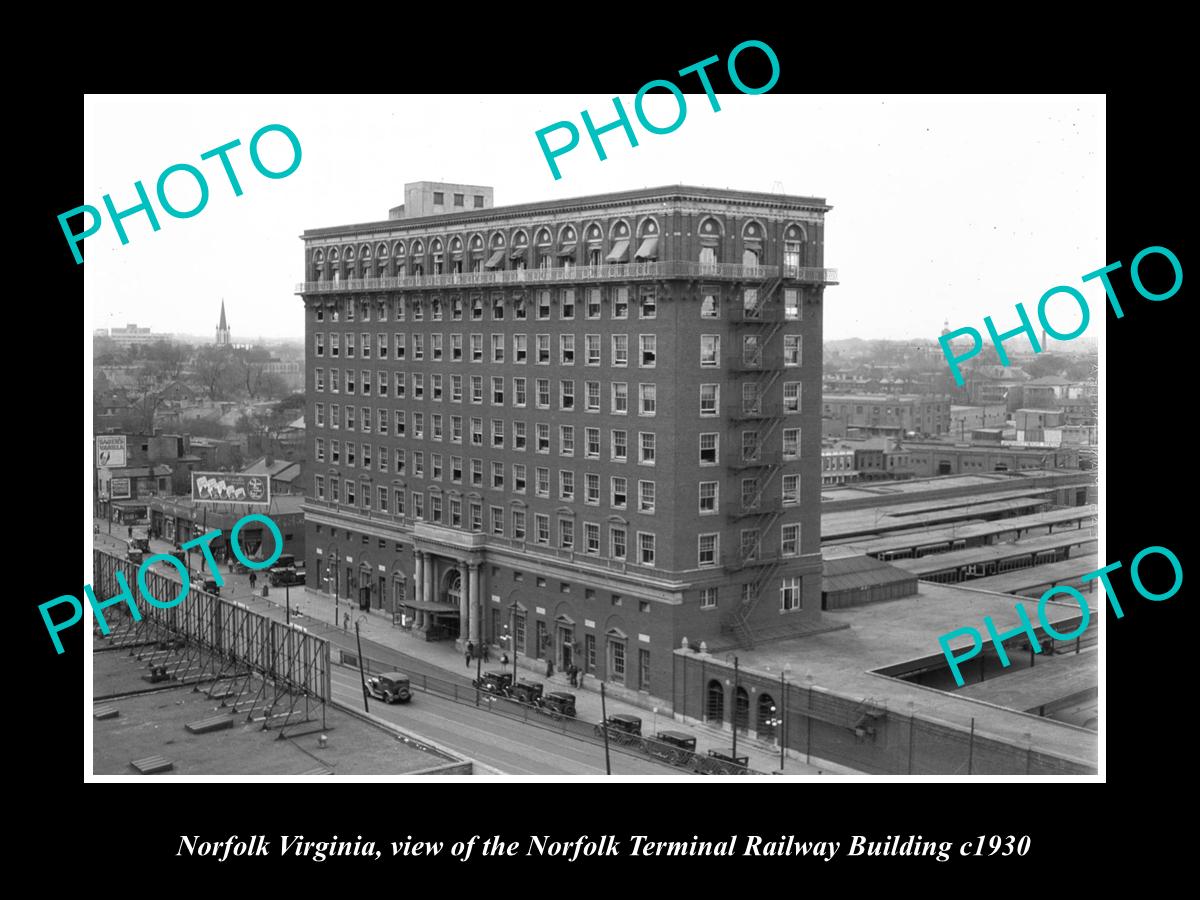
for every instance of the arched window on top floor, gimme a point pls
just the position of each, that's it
(710, 244)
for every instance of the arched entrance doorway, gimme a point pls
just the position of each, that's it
(452, 591)
(741, 709)
(714, 705)
(363, 584)
(765, 721)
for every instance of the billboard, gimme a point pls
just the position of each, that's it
(229, 487)
(119, 488)
(110, 451)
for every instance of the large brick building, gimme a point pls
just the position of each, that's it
(595, 422)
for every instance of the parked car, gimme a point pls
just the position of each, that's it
(721, 762)
(559, 704)
(674, 747)
(499, 683)
(528, 692)
(136, 555)
(622, 728)
(285, 575)
(211, 587)
(390, 687)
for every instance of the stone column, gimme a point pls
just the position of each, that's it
(464, 601)
(429, 587)
(419, 589)
(476, 605)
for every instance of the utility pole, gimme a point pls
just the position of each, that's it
(604, 727)
(361, 674)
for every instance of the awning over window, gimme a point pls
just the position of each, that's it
(567, 251)
(649, 248)
(618, 252)
(517, 253)
(494, 259)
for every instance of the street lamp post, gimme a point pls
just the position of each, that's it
(735, 706)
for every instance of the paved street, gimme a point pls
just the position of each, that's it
(509, 745)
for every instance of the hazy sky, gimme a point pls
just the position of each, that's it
(943, 207)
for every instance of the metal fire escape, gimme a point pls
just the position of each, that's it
(758, 366)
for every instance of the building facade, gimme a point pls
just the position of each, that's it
(887, 413)
(588, 427)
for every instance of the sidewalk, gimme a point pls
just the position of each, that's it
(311, 607)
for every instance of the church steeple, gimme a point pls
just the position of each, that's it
(223, 339)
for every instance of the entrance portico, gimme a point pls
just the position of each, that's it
(447, 583)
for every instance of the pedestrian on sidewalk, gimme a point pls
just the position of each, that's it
(549, 668)
(470, 653)
(485, 652)
(346, 622)
(504, 659)
(253, 579)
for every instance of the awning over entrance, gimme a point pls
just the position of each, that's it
(427, 606)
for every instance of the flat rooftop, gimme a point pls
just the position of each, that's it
(930, 512)
(925, 538)
(891, 491)
(152, 724)
(894, 632)
(1050, 681)
(1082, 538)
(1068, 572)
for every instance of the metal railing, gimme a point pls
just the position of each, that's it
(606, 272)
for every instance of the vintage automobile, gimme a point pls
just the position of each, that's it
(211, 586)
(284, 575)
(136, 555)
(623, 729)
(390, 687)
(558, 704)
(528, 692)
(721, 762)
(499, 683)
(674, 747)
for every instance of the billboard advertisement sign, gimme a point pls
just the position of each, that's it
(110, 451)
(229, 487)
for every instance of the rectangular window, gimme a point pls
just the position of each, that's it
(519, 398)
(319, 383)
(645, 548)
(477, 473)
(518, 524)
(620, 397)
(497, 475)
(350, 343)
(789, 540)
(568, 304)
(418, 342)
(543, 393)
(566, 484)
(791, 490)
(543, 304)
(497, 348)
(542, 488)
(648, 399)
(789, 594)
(456, 429)
(497, 307)
(750, 448)
(620, 303)
(543, 437)
(620, 446)
(592, 398)
(476, 432)
(791, 303)
(418, 505)
(319, 481)
(616, 653)
(791, 396)
(646, 496)
(709, 442)
(620, 349)
(649, 345)
(591, 489)
(791, 349)
(498, 433)
(710, 350)
(519, 478)
(542, 524)
(519, 438)
(320, 415)
(593, 303)
(709, 498)
(643, 669)
(591, 443)
(476, 388)
(708, 598)
(709, 399)
(476, 348)
(497, 390)
(646, 447)
(520, 348)
(591, 536)
(791, 443)
(710, 306)
(543, 349)
(591, 345)
(566, 394)
(319, 342)
(620, 492)
(335, 340)
(616, 542)
(648, 304)
(566, 440)
(707, 550)
(497, 517)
